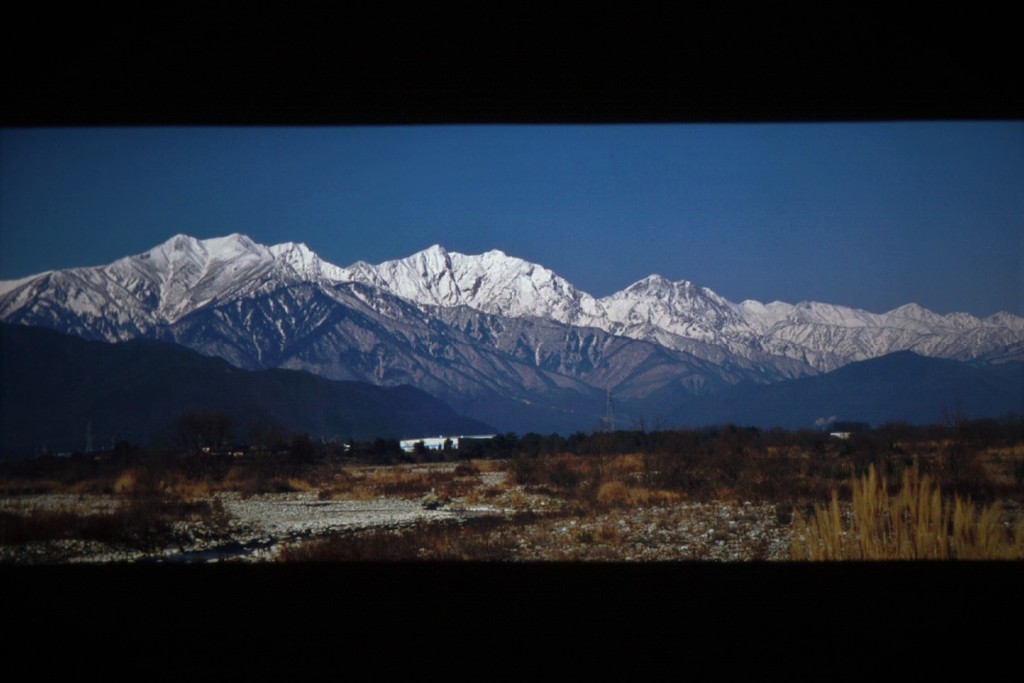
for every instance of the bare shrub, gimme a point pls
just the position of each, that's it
(961, 470)
(466, 469)
(562, 472)
(687, 472)
(526, 470)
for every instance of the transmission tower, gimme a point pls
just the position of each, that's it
(609, 416)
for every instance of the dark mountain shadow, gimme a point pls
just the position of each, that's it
(52, 386)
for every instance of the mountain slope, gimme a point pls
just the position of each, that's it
(898, 386)
(52, 386)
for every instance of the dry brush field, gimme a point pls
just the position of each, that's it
(727, 495)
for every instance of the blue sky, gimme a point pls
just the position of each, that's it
(871, 215)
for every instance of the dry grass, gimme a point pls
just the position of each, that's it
(916, 524)
(402, 481)
(482, 465)
(127, 482)
(484, 494)
(139, 523)
(617, 493)
(253, 484)
(594, 483)
(593, 487)
(22, 486)
(472, 540)
(137, 482)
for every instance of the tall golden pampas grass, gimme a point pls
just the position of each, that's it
(916, 524)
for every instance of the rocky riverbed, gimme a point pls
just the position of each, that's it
(257, 528)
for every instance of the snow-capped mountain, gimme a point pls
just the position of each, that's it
(135, 295)
(684, 317)
(491, 282)
(828, 336)
(494, 335)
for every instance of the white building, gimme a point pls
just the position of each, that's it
(436, 443)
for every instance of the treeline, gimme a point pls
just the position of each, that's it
(893, 437)
(213, 433)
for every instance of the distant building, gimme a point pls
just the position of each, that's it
(436, 443)
(846, 429)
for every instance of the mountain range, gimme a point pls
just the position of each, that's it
(498, 338)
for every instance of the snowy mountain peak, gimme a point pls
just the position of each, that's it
(187, 248)
(656, 307)
(293, 250)
(433, 263)
(763, 316)
(1004, 319)
(434, 250)
(912, 310)
(492, 282)
(302, 261)
(683, 292)
(173, 248)
(180, 242)
(433, 253)
(232, 246)
(652, 281)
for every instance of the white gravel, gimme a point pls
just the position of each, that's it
(258, 527)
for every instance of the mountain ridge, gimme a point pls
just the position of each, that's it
(491, 334)
(654, 307)
(296, 260)
(901, 386)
